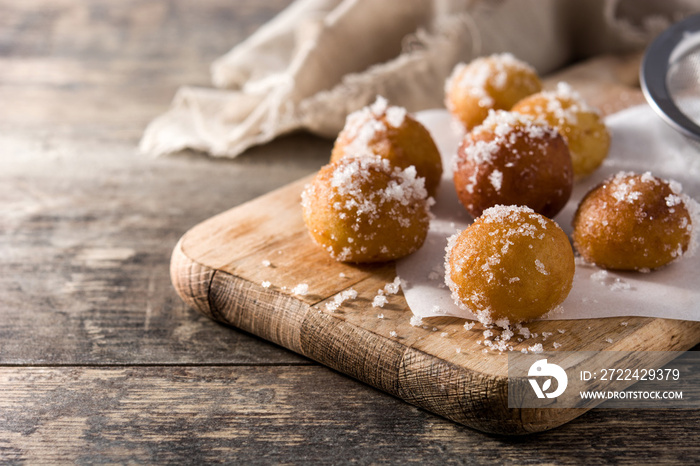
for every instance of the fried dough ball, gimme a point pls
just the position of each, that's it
(634, 222)
(513, 159)
(579, 124)
(390, 132)
(495, 82)
(509, 266)
(363, 209)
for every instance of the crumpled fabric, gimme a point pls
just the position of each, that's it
(320, 60)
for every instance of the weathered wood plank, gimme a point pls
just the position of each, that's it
(87, 224)
(276, 415)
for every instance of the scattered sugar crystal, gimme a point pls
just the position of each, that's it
(609, 340)
(393, 287)
(332, 306)
(435, 329)
(380, 316)
(523, 351)
(561, 330)
(484, 351)
(436, 309)
(434, 276)
(340, 298)
(379, 106)
(647, 177)
(341, 275)
(503, 323)
(545, 335)
(673, 200)
(613, 283)
(487, 333)
(540, 267)
(536, 348)
(379, 301)
(301, 289)
(443, 334)
(469, 325)
(624, 324)
(266, 263)
(525, 332)
(266, 284)
(392, 334)
(395, 116)
(416, 321)
(458, 350)
(556, 345)
(620, 285)
(496, 179)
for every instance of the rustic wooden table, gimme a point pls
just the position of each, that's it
(100, 361)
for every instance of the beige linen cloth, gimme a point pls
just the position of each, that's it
(319, 60)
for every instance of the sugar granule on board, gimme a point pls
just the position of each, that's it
(444, 334)
(393, 287)
(469, 325)
(380, 316)
(556, 345)
(416, 321)
(302, 289)
(266, 263)
(392, 334)
(525, 332)
(536, 348)
(340, 298)
(266, 284)
(379, 301)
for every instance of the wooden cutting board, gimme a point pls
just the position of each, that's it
(220, 265)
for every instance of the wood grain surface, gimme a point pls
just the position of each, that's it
(100, 360)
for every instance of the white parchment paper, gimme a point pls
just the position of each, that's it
(641, 142)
